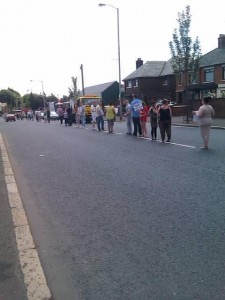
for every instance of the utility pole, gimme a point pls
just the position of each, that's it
(82, 78)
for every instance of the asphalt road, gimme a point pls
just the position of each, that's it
(119, 217)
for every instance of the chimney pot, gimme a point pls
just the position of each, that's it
(221, 41)
(139, 63)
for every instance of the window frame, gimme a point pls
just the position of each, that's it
(129, 84)
(209, 70)
(223, 72)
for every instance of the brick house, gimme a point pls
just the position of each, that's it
(151, 80)
(156, 79)
(210, 78)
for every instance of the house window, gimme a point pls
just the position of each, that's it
(180, 79)
(192, 77)
(209, 75)
(223, 72)
(129, 84)
(136, 83)
(165, 81)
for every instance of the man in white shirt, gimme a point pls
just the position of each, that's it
(93, 114)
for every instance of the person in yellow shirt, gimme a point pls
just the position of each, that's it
(110, 116)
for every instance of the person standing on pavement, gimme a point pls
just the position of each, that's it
(153, 113)
(205, 114)
(136, 107)
(165, 117)
(48, 113)
(60, 112)
(143, 119)
(99, 116)
(66, 117)
(82, 114)
(93, 114)
(110, 117)
(128, 116)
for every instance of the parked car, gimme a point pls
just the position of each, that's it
(172, 103)
(160, 102)
(54, 116)
(10, 117)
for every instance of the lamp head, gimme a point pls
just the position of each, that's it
(101, 4)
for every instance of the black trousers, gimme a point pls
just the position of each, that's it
(165, 129)
(137, 126)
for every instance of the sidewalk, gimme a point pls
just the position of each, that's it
(182, 121)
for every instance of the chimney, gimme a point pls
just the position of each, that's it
(221, 41)
(139, 63)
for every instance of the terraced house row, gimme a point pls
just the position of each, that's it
(156, 79)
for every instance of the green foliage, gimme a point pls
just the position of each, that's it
(10, 97)
(52, 98)
(73, 91)
(33, 101)
(185, 53)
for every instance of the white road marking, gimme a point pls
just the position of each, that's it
(182, 145)
(34, 277)
(149, 139)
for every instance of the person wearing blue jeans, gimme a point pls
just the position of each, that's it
(82, 114)
(99, 117)
(136, 107)
(128, 117)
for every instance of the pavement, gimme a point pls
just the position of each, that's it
(182, 121)
(10, 270)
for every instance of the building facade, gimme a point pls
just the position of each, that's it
(210, 78)
(156, 79)
(153, 80)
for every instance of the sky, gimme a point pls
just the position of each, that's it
(46, 41)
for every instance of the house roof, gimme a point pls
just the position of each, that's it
(98, 89)
(214, 57)
(152, 69)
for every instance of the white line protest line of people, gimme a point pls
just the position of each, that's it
(136, 114)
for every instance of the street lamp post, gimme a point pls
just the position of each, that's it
(42, 86)
(118, 41)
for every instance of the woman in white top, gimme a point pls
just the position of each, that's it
(93, 114)
(205, 114)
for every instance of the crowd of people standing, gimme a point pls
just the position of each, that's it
(137, 112)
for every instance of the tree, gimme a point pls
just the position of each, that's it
(10, 97)
(186, 54)
(73, 91)
(52, 98)
(33, 101)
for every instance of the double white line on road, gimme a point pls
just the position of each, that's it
(34, 277)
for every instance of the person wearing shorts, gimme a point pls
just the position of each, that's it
(110, 117)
